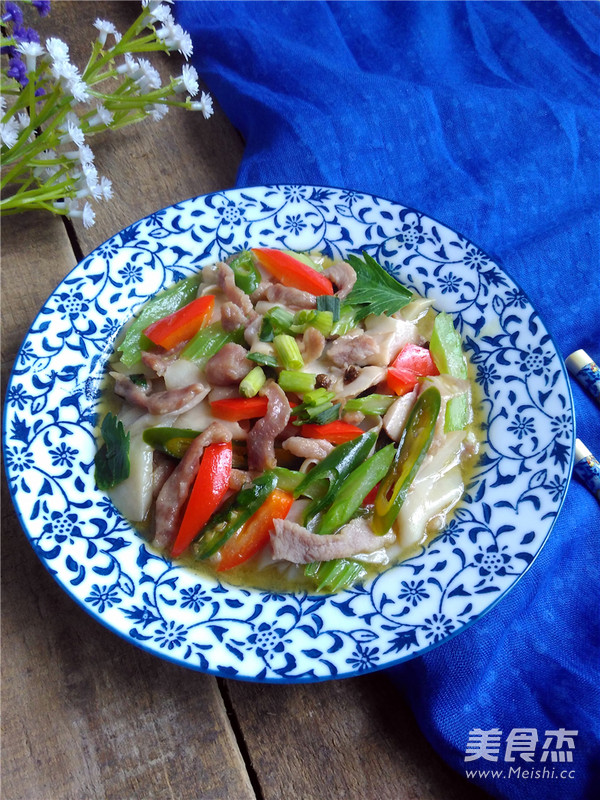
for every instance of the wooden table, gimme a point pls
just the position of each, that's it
(87, 715)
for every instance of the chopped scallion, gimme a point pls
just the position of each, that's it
(253, 382)
(371, 404)
(264, 359)
(294, 381)
(331, 303)
(310, 318)
(317, 396)
(288, 352)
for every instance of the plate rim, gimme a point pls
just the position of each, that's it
(350, 672)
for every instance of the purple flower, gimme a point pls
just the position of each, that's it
(17, 70)
(13, 14)
(23, 34)
(43, 7)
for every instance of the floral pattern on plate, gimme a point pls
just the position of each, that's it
(499, 527)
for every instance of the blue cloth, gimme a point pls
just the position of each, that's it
(484, 116)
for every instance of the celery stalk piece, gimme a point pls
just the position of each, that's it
(162, 305)
(209, 341)
(446, 350)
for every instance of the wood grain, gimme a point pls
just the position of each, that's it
(86, 715)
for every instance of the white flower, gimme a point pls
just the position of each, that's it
(146, 77)
(188, 81)
(68, 75)
(175, 38)
(88, 215)
(57, 49)
(32, 51)
(157, 111)
(71, 206)
(79, 90)
(72, 132)
(162, 14)
(130, 66)
(102, 116)
(205, 105)
(9, 132)
(105, 27)
(51, 169)
(106, 188)
(85, 154)
(2, 104)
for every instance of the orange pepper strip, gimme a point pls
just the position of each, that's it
(235, 409)
(291, 272)
(255, 534)
(210, 486)
(334, 432)
(181, 325)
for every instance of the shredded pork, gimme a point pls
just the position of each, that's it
(293, 542)
(261, 439)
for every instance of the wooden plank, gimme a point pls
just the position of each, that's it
(341, 739)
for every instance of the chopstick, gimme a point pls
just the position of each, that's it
(587, 468)
(586, 372)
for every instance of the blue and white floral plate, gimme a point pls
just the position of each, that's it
(96, 556)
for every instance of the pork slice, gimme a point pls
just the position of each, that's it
(157, 403)
(358, 350)
(232, 316)
(175, 491)
(228, 366)
(343, 276)
(307, 448)
(260, 292)
(226, 280)
(288, 296)
(238, 478)
(252, 331)
(261, 439)
(160, 362)
(293, 542)
(313, 344)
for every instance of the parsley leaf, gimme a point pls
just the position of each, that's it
(375, 291)
(112, 458)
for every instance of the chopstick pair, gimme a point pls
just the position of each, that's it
(587, 374)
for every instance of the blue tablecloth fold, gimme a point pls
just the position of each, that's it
(484, 115)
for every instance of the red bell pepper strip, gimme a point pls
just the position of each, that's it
(334, 432)
(291, 272)
(210, 486)
(183, 324)
(411, 363)
(235, 409)
(254, 535)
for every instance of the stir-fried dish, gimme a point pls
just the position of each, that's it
(286, 414)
